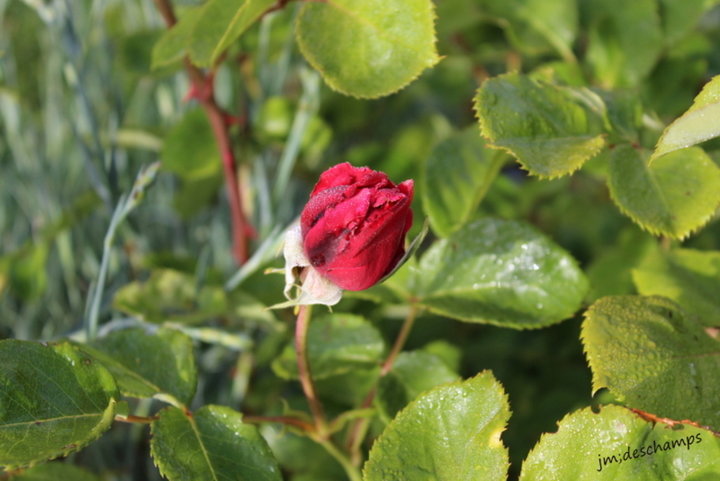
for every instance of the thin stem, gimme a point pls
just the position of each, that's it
(352, 472)
(400, 340)
(357, 432)
(241, 228)
(287, 420)
(202, 85)
(301, 331)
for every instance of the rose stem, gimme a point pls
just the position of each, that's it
(359, 429)
(202, 86)
(286, 420)
(301, 331)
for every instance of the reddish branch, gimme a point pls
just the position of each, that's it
(202, 90)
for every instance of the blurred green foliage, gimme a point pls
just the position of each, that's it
(81, 111)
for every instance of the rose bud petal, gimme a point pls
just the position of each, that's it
(354, 225)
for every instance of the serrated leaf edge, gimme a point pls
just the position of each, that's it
(331, 81)
(407, 409)
(490, 143)
(651, 229)
(104, 423)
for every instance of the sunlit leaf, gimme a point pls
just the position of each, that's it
(699, 123)
(654, 357)
(368, 48)
(620, 445)
(550, 129)
(451, 433)
(674, 195)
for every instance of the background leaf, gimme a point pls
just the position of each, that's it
(53, 400)
(169, 295)
(674, 195)
(368, 48)
(462, 444)
(687, 276)
(146, 364)
(534, 23)
(624, 40)
(698, 124)
(412, 373)
(499, 272)
(551, 130)
(654, 357)
(219, 24)
(337, 343)
(618, 444)
(210, 443)
(172, 46)
(680, 16)
(455, 178)
(189, 149)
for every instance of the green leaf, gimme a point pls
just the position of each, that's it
(689, 277)
(28, 272)
(337, 344)
(699, 123)
(147, 364)
(654, 357)
(53, 400)
(455, 178)
(189, 149)
(55, 471)
(173, 44)
(219, 24)
(302, 456)
(675, 195)
(210, 443)
(550, 129)
(451, 433)
(170, 295)
(412, 373)
(499, 272)
(618, 444)
(368, 48)
(610, 273)
(679, 17)
(624, 40)
(533, 23)
(194, 195)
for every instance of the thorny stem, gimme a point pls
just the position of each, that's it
(220, 122)
(301, 332)
(357, 432)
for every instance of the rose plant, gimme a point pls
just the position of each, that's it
(563, 154)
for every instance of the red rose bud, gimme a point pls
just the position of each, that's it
(354, 225)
